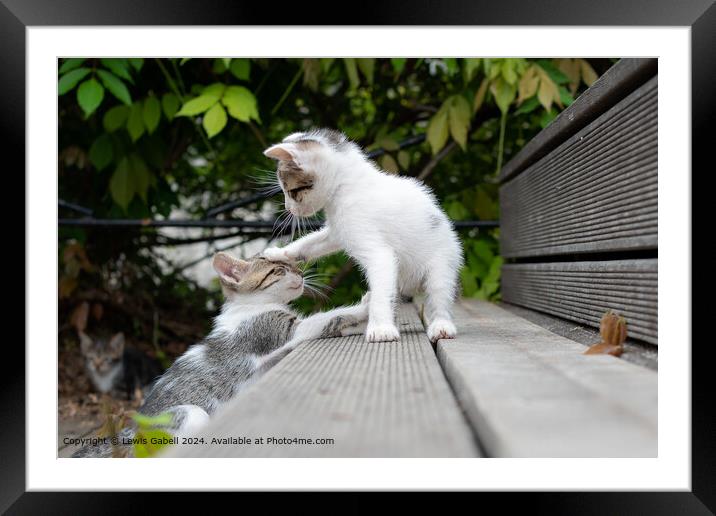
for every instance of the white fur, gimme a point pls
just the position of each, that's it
(104, 383)
(387, 224)
(195, 418)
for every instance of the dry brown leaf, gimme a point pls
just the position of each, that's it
(97, 311)
(78, 317)
(613, 330)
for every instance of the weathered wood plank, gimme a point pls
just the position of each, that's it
(531, 393)
(583, 291)
(373, 400)
(596, 192)
(616, 83)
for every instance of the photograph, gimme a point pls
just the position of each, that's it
(357, 257)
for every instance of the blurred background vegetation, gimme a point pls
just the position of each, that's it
(172, 138)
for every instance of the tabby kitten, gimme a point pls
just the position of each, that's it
(254, 330)
(110, 364)
(392, 226)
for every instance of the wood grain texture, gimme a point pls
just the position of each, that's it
(615, 84)
(583, 291)
(531, 393)
(596, 192)
(374, 400)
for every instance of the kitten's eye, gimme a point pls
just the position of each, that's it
(296, 191)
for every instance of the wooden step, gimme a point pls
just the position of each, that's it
(531, 393)
(373, 400)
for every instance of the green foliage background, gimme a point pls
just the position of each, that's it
(141, 137)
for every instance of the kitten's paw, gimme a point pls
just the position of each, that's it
(356, 329)
(441, 329)
(276, 254)
(381, 333)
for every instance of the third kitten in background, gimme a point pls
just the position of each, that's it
(392, 226)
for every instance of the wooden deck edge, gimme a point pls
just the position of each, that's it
(373, 400)
(531, 393)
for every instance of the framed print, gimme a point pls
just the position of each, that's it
(382, 255)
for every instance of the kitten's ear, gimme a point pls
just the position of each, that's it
(229, 268)
(85, 342)
(116, 343)
(281, 152)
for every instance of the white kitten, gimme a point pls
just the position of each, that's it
(391, 226)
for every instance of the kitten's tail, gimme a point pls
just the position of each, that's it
(109, 447)
(186, 420)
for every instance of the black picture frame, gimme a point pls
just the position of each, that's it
(17, 15)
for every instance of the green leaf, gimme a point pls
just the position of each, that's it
(119, 67)
(528, 107)
(151, 113)
(398, 64)
(70, 64)
(504, 94)
(241, 103)
(241, 69)
(554, 73)
(404, 160)
(459, 119)
(170, 105)
(135, 121)
(115, 86)
(214, 120)
(352, 72)
(89, 96)
(121, 184)
(437, 134)
(469, 282)
(115, 118)
(141, 176)
(136, 62)
(70, 80)
(100, 153)
(367, 68)
(388, 164)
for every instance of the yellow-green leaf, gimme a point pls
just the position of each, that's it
(548, 91)
(527, 86)
(459, 119)
(588, 73)
(198, 105)
(214, 120)
(503, 92)
(480, 95)
(241, 103)
(437, 134)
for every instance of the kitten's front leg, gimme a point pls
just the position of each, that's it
(312, 246)
(321, 325)
(382, 271)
